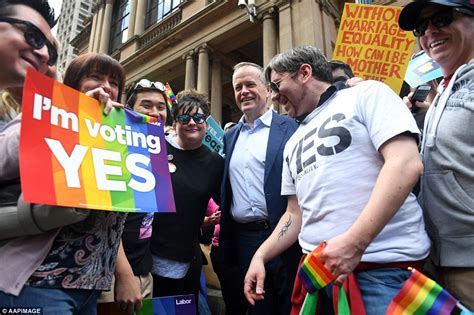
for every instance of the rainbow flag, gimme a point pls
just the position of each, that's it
(421, 295)
(139, 117)
(170, 98)
(313, 273)
(72, 155)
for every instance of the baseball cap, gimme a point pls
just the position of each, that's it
(409, 17)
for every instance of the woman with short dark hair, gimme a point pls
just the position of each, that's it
(196, 175)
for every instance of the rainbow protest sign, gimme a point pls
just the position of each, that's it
(421, 295)
(71, 154)
(371, 42)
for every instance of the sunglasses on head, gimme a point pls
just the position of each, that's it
(147, 84)
(440, 19)
(35, 38)
(185, 118)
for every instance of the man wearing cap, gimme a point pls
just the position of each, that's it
(445, 30)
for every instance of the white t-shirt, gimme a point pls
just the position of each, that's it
(331, 163)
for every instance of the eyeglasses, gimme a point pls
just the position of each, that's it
(275, 85)
(35, 38)
(185, 118)
(440, 19)
(147, 84)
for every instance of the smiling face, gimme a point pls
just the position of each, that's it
(189, 135)
(250, 92)
(452, 45)
(16, 55)
(298, 93)
(151, 103)
(287, 95)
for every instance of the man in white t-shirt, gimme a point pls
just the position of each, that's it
(348, 171)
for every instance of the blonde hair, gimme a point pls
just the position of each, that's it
(10, 107)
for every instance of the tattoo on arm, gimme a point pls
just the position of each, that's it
(285, 228)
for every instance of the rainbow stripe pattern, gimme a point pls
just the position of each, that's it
(421, 295)
(313, 273)
(170, 98)
(120, 161)
(139, 117)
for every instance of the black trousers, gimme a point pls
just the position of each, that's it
(163, 286)
(232, 284)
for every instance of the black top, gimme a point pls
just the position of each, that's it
(197, 178)
(136, 242)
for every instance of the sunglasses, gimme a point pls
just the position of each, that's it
(185, 118)
(275, 85)
(35, 38)
(440, 19)
(147, 84)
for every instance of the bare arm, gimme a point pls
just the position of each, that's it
(283, 236)
(127, 291)
(399, 174)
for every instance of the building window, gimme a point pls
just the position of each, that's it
(157, 10)
(119, 30)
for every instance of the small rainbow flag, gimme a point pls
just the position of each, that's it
(313, 273)
(142, 118)
(170, 98)
(421, 295)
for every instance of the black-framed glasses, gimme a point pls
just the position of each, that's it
(440, 19)
(147, 84)
(275, 85)
(35, 38)
(186, 118)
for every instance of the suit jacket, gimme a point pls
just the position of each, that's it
(281, 129)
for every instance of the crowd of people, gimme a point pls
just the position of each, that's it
(335, 173)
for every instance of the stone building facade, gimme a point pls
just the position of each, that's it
(195, 43)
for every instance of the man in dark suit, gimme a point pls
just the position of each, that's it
(252, 204)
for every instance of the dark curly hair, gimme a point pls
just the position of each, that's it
(190, 100)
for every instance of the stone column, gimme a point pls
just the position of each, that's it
(285, 27)
(140, 20)
(98, 28)
(203, 69)
(106, 26)
(132, 18)
(216, 90)
(190, 75)
(93, 33)
(270, 39)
